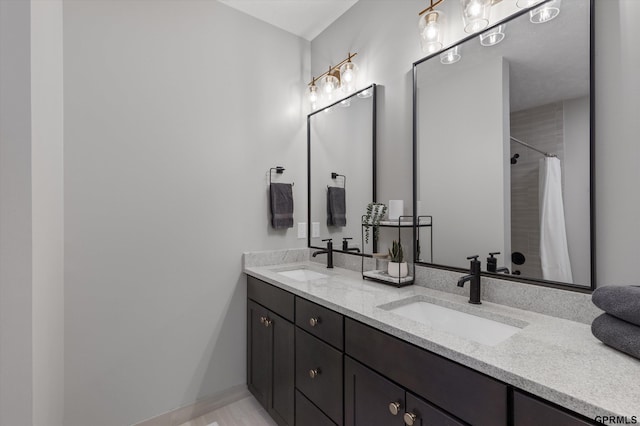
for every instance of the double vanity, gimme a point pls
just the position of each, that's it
(326, 347)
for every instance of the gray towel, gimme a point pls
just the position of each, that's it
(618, 334)
(336, 206)
(622, 302)
(281, 205)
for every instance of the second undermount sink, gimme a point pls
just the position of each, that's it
(461, 324)
(303, 274)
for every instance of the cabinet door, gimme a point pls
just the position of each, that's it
(421, 413)
(368, 397)
(529, 411)
(258, 353)
(283, 374)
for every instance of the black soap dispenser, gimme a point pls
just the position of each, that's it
(492, 262)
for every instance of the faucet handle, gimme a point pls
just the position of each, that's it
(474, 257)
(494, 253)
(328, 239)
(347, 238)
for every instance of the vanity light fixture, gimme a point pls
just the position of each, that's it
(493, 36)
(430, 27)
(451, 56)
(339, 77)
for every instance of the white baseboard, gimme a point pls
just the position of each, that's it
(199, 408)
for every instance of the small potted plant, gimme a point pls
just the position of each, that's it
(375, 213)
(397, 267)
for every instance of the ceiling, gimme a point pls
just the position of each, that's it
(304, 18)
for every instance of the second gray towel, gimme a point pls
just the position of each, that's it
(622, 302)
(618, 334)
(336, 206)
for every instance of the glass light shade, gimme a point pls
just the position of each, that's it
(493, 36)
(545, 13)
(348, 77)
(330, 84)
(475, 15)
(451, 56)
(430, 27)
(313, 96)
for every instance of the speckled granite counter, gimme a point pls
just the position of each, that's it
(556, 359)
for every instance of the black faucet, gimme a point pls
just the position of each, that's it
(328, 251)
(492, 264)
(474, 280)
(345, 245)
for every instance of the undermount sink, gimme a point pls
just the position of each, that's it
(461, 324)
(303, 274)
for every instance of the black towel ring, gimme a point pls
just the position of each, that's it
(279, 170)
(335, 175)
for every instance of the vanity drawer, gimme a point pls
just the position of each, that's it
(320, 321)
(319, 374)
(529, 411)
(467, 394)
(279, 301)
(308, 414)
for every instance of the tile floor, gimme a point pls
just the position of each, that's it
(245, 412)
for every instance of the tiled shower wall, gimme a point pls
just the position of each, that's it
(541, 127)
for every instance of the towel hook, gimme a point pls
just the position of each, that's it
(335, 175)
(279, 170)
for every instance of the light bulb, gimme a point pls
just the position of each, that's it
(313, 94)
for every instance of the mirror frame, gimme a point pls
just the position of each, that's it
(592, 185)
(372, 87)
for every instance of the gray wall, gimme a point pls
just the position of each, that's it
(617, 147)
(174, 113)
(16, 396)
(48, 247)
(31, 214)
(385, 35)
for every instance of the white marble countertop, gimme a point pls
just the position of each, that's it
(556, 359)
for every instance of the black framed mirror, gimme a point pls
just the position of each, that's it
(503, 140)
(341, 169)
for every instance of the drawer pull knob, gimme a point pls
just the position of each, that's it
(314, 373)
(394, 408)
(265, 321)
(410, 419)
(314, 321)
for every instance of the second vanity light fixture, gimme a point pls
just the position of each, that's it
(475, 18)
(339, 78)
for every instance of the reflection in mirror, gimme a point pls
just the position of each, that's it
(341, 149)
(503, 146)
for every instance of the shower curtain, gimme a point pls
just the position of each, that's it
(554, 251)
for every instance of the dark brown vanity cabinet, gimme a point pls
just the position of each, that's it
(311, 366)
(270, 349)
(373, 400)
(460, 391)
